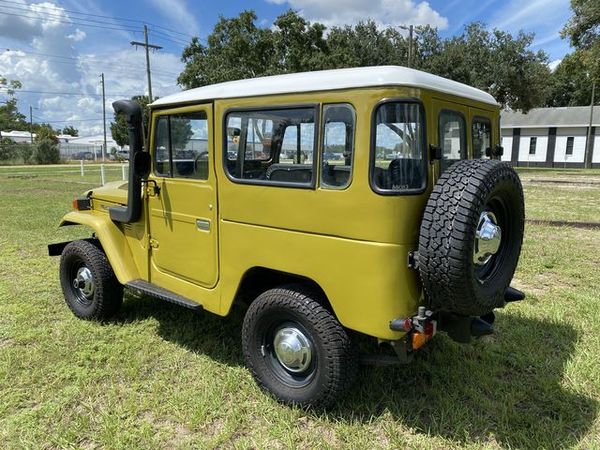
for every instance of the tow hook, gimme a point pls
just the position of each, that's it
(420, 328)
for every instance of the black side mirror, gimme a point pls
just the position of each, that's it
(141, 164)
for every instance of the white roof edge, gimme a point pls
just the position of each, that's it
(576, 125)
(325, 80)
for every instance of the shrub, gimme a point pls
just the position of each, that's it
(47, 152)
(7, 149)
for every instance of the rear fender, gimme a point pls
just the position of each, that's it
(112, 239)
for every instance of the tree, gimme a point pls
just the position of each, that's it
(570, 83)
(118, 128)
(10, 117)
(583, 30)
(44, 132)
(47, 152)
(70, 130)
(494, 61)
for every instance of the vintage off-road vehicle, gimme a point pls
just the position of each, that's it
(331, 203)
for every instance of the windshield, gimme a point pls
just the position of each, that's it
(399, 157)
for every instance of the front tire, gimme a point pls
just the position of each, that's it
(88, 282)
(296, 349)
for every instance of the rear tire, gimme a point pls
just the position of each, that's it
(296, 349)
(89, 284)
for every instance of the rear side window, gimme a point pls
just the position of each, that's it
(452, 138)
(482, 137)
(274, 146)
(398, 157)
(181, 146)
(338, 146)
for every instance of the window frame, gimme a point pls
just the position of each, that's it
(373, 143)
(532, 140)
(572, 139)
(167, 115)
(482, 119)
(321, 155)
(248, 181)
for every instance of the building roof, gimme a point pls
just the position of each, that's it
(568, 116)
(325, 80)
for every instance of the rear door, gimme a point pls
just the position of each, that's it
(182, 211)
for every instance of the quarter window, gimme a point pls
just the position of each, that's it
(338, 146)
(271, 146)
(452, 138)
(399, 157)
(482, 137)
(181, 146)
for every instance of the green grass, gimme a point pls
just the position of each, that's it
(159, 376)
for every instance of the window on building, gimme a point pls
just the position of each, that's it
(452, 137)
(181, 146)
(338, 146)
(570, 142)
(271, 146)
(532, 145)
(482, 137)
(399, 160)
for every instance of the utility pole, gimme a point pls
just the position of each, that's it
(589, 147)
(31, 123)
(103, 114)
(410, 29)
(147, 46)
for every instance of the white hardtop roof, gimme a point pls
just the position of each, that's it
(325, 80)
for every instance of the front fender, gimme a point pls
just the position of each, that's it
(112, 239)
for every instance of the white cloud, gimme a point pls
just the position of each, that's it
(179, 14)
(45, 56)
(383, 12)
(554, 64)
(77, 36)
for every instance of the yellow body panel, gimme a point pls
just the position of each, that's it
(353, 243)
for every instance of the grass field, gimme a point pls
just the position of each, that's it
(163, 377)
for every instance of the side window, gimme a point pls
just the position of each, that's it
(452, 138)
(570, 142)
(271, 146)
(482, 137)
(338, 146)
(398, 163)
(532, 145)
(181, 146)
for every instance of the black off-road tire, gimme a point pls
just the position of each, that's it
(107, 295)
(334, 363)
(451, 280)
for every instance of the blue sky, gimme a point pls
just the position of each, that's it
(57, 46)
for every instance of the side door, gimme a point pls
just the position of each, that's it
(183, 210)
(452, 137)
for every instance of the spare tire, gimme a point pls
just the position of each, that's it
(471, 236)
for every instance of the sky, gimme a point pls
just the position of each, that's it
(59, 48)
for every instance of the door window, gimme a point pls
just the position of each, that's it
(482, 137)
(452, 138)
(181, 146)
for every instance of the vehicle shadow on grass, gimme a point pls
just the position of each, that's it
(508, 390)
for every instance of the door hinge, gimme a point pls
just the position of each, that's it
(153, 243)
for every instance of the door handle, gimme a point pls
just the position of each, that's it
(203, 224)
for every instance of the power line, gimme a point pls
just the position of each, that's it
(67, 121)
(68, 22)
(113, 19)
(147, 47)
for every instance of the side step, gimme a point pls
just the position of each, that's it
(163, 294)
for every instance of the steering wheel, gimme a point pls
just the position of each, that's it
(200, 157)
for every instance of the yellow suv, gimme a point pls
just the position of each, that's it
(368, 200)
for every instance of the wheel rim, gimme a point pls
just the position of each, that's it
(491, 240)
(292, 349)
(488, 238)
(82, 283)
(290, 354)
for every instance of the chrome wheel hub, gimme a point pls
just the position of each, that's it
(487, 238)
(84, 282)
(292, 349)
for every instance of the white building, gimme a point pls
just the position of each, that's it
(18, 136)
(550, 137)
